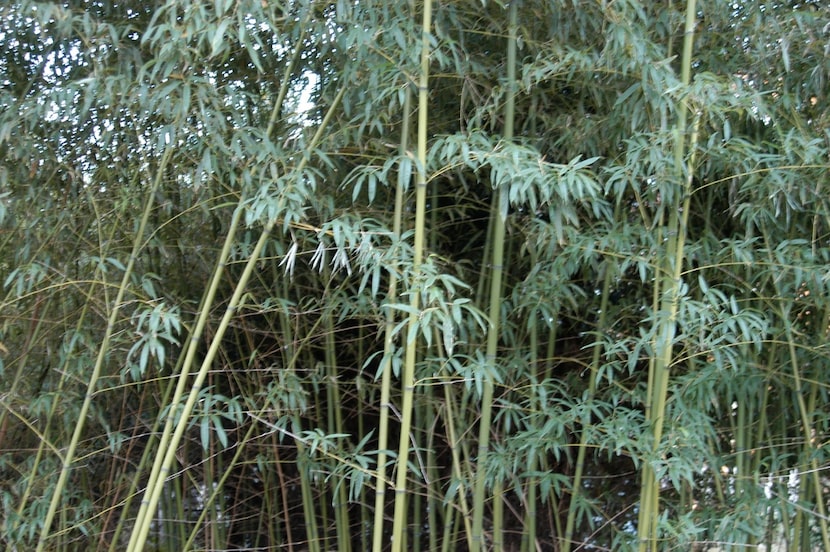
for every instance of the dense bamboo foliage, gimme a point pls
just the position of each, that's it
(462, 275)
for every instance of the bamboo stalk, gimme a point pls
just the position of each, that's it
(167, 455)
(143, 517)
(335, 419)
(207, 301)
(408, 375)
(576, 485)
(92, 385)
(529, 522)
(389, 345)
(812, 467)
(497, 216)
(451, 519)
(670, 283)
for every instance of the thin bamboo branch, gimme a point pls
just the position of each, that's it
(576, 484)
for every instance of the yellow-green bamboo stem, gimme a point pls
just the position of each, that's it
(144, 513)
(335, 419)
(167, 455)
(408, 375)
(498, 516)
(669, 282)
(497, 216)
(92, 385)
(450, 519)
(576, 485)
(649, 503)
(207, 301)
(389, 346)
(218, 489)
(460, 474)
(529, 529)
(805, 413)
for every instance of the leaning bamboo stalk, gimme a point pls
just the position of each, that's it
(142, 518)
(143, 513)
(153, 493)
(92, 385)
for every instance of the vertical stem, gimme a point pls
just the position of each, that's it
(335, 420)
(455, 445)
(805, 414)
(529, 522)
(497, 216)
(670, 283)
(408, 376)
(388, 348)
(576, 489)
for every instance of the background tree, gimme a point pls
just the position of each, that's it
(217, 320)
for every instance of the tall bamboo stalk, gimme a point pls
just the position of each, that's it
(576, 485)
(335, 421)
(669, 284)
(143, 513)
(460, 474)
(143, 518)
(810, 471)
(291, 351)
(388, 344)
(498, 214)
(408, 375)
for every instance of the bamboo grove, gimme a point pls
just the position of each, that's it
(429, 275)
